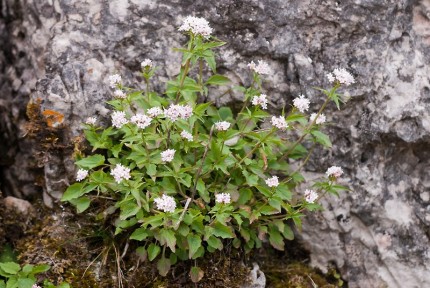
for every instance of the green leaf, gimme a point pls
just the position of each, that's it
(276, 239)
(211, 62)
(139, 234)
(27, 269)
(10, 267)
(153, 251)
(91, 162)
(128, 209)
(196, 274)
(275, 203)
(168, 237)
(163, 266)
(40, 268)
(151, 169)
(72, 192)
(202, 191)
(26, 282)
(322, 138)
(215, 243)
(222, 231)
(194, 242)
(288, 232)
(218, 80)
(81, 203)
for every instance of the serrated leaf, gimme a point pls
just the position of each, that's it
(81, 203)
(163, 266)
(153, 251)
(322, 138)
(222, 231)
(196, 274)
(168, 237)
(25, 282)
(91, 162)
(139, 234)
(10, 267)
(194, 242)
(218, 80)
(276, 239)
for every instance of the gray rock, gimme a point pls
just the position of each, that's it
(378, 233)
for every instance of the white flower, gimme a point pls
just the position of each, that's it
(146, 63)
(320, 120)
(154, 111)
(35, 286)
(187, 135)
(118, 93)
(301, 103)
(222, 125)
(165, 203)
(118, 119)
(279, 122)
(142, 121)
(120, 173)
(341, 75)
(261, 68)
(223, 198)
(91, 121)
(196, 25)
(334, 171)
(114, 80)
(81, 175)
(310, 196)
(174, 112)
(272, 182)
(260, 100)
(167, 155)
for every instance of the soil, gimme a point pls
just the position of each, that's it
(84, 253)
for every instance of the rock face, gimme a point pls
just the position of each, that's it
(61, 52)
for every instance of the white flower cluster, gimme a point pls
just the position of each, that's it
(142, 121)
(341, 75)
(35, 286)
(165, 203)
(260, 100)
(279, 122)
(222, 125)
(154, 111)
(223, 198)
(273, 181)
(118, 93)
(301, 103)
(120, 173)
(118, 119)
(81, 175)
(146, 63)
(334, 171)
(167, 155)
(187, 135)
(114, 80)
(310, 196)
(174, 112)
(261, 68)
(91, 121)
(196, 25)
(320, 120)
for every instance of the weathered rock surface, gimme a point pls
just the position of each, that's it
(378, 234)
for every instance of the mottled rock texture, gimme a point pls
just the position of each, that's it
(62, 51)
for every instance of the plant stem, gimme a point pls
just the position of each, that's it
(302, 165)
(201, 165)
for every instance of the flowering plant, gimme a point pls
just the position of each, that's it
(186, 178)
